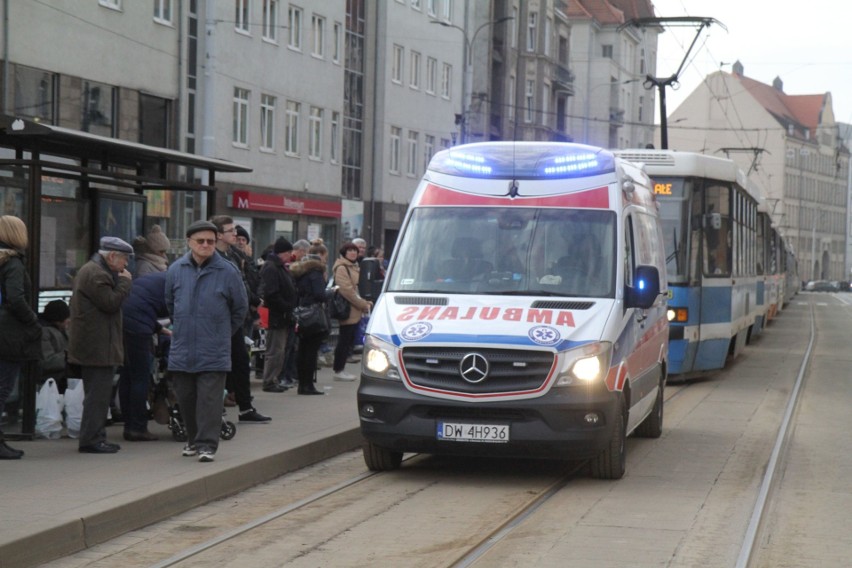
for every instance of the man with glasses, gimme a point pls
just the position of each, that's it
(239, 378)
(96, 334)
(207, 302)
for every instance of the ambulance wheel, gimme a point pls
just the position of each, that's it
(229, 430)
(611, 462)
(652, 426)
(381, 459)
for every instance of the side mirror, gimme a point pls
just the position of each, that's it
(645, 289)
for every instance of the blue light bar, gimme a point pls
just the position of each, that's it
(523, 160)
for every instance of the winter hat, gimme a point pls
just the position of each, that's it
(201, 226)
(241, 232)
(282, 245)
(55, 311)
(157, 241)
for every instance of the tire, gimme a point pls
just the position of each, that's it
(228, 430)
(381, 459)
(611, 462)
(652, 426)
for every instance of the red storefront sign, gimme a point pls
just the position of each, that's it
(252, 201)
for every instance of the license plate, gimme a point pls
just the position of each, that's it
(457, 432)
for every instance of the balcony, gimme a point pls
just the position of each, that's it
(563, 80)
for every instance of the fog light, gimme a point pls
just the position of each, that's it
(592, 418)
(368, 410)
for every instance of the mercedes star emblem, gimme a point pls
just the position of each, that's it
(474, 368)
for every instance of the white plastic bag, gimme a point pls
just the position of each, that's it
(74, 407)
(49, 405)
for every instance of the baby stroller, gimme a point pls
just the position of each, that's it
(164, 406)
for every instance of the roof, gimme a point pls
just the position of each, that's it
(44, 138)
(802, 111)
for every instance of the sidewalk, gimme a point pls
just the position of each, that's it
(56, 501)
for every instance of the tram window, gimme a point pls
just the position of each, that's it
(717, 231)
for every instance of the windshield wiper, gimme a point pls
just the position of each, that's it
(523, 293)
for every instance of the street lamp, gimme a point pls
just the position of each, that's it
(468, 65)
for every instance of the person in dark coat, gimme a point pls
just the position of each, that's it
(279, 296)
(54, 342)
(311, 287)
(142, 311)
(96, 338)
(20, 332)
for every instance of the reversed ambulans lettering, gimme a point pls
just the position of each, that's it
(523, 312)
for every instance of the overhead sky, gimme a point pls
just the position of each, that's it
(807, 44)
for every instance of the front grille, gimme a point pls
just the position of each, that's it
(561, 305)
(420, 301)
(509, 370)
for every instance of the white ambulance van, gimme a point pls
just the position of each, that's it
(523, 313)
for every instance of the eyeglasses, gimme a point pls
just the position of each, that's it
(231, 230)
(204, 241)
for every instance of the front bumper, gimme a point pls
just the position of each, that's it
(552, 426)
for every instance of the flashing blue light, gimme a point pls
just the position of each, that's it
(523, 160)
(641, 284)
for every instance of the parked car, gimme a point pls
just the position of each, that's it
(823, 286)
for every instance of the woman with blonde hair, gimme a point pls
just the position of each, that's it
(20, 331)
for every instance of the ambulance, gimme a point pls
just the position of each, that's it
(523, 313)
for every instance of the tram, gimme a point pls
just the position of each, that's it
(717, 250)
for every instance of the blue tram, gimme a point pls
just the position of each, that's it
(717, 250)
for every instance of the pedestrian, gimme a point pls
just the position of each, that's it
(346, 275)
(279, 296)
(288, 377)
(20, 332)
(54, 342)
(310, 275)
(142, 312)
(151, 252)
(238, 380)
(96, 336)
(207, 302)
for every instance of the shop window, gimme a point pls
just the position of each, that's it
(35, 94)
(97, 109)
(154, 120)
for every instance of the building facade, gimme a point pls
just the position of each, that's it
(790, 145)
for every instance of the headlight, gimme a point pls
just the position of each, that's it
(380, 359)
(585, 365)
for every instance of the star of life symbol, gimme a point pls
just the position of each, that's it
(416, 331)
(544, 335)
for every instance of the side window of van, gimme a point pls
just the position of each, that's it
(629, 262)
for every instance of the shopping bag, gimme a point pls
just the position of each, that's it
(74, 407)
(49, 404)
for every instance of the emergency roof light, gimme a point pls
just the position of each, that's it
(523, 160)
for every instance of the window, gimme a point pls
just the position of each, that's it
(515, 26)
(163, 11)
(267, 122)
(448, 10)
(529, 98)
(415, 4)
(532, 23)
(35, 94)
(315, 134)
(97, 109)
(446, 75)
(395, 141)
(318, 29)
(548, 26)
(291, 134)
(241, 112)
(270, 20)
(431, 74)
(114, 4)
(415, 70)
(241, 17)
(337, 40)
(335, 138)
(396, 70)
(510, 110)
(606, 51)
(154, 120)
(294, 24)
(430, 8)
(428, 150)
(413, 138)
(545, 105)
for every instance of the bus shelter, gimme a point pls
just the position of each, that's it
(72, 187)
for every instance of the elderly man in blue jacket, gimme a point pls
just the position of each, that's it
(207, 302)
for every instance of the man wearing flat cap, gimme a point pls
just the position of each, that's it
(207, 302)
(96, 336)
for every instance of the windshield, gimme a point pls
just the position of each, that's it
(499, 250)
(674, 210)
